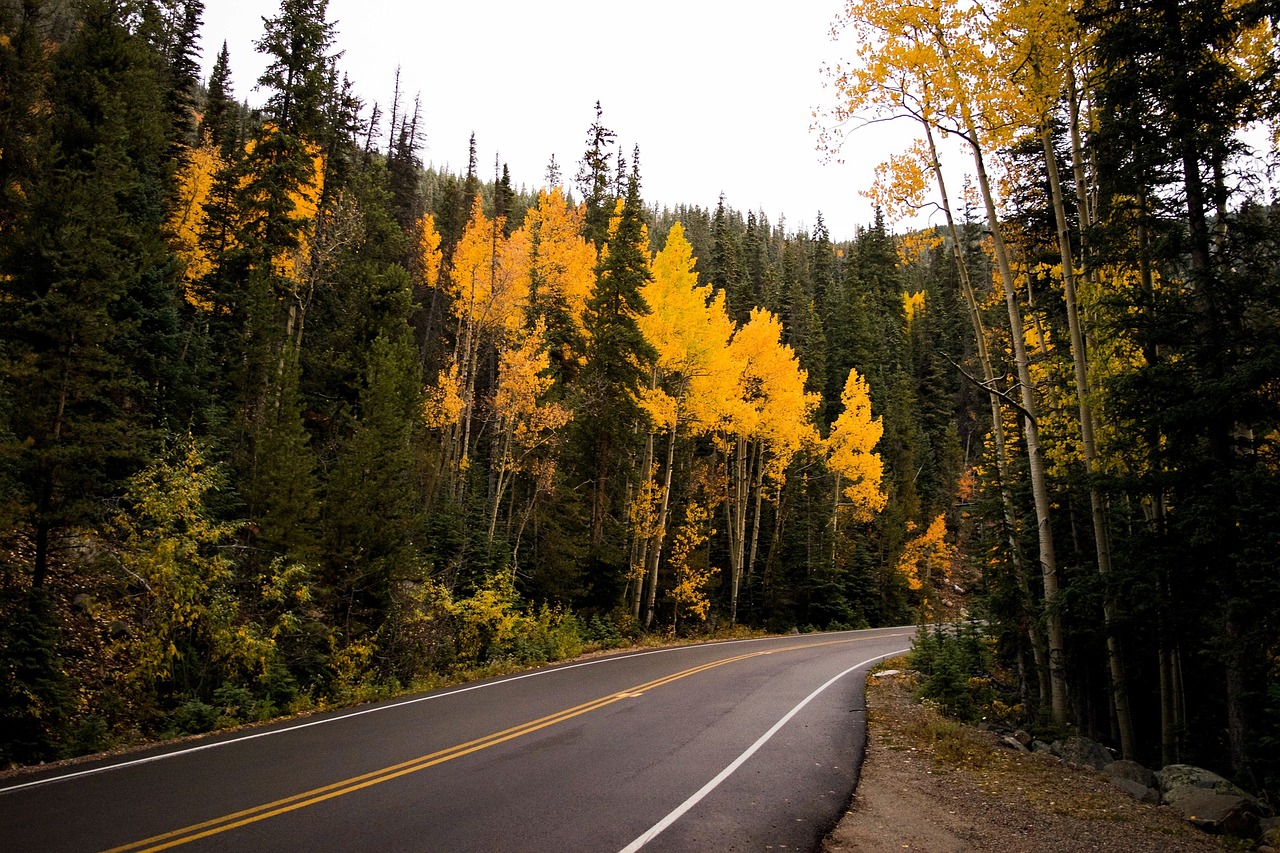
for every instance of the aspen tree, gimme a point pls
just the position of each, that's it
(903, 48)
(1039, 40)
(689, 328)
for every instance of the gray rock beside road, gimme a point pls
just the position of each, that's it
(1083, 752)
(1210, 801)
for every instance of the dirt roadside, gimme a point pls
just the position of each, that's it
(931, 784)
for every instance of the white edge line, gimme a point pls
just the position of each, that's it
(679, 811)
(49, 780)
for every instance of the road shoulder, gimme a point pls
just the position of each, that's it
(929, 783)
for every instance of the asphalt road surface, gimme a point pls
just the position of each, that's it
(735, 746)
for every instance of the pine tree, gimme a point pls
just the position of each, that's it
(297, 41)
(89, 323)
(617, 367)
(220, 121)
(593, 181)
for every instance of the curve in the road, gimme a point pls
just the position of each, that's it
(311, 797)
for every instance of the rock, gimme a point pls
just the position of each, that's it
(1137, 790)
(118, 630)
(1270, 837)
(1013, 743)
(1180, 775)
(1267, 824)
(1132, 771)
(1229, 814)
(885, 673)
(1041, 746)
(82, 603)
(1084, 752)
(1023, 738)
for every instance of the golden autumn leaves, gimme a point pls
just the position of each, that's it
(740, 389)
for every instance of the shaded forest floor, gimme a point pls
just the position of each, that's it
(930, 783)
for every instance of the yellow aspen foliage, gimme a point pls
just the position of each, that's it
(489, 280)
(901, 183)
(917, 245)
(770, 403)
(688, 326)
(522, 386)
(851, 450)
(690, 593)
(912, 303)
(427, 255)
(169, 547)
(662, 409)
(443, 405)
(642, 516)
(563, 263)
(186, 223)
(926, 559)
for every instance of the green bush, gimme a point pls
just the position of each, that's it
(35, 698)
(194, 717)
(956, 663)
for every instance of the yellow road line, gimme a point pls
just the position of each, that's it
(187, 834)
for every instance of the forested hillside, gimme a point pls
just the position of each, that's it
(289, 420)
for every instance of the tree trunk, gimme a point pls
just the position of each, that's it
(1021, 576)
(660, 533)
(1097, 502)
(1031, 429)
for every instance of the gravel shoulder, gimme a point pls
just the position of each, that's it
(928, 783)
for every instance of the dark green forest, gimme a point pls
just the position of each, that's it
(290, 421)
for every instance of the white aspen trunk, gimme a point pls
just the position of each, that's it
(1101, 535)
(660, 530)
(1021, 577)
(1031, 430)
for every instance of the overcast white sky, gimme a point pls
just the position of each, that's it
(717, 93)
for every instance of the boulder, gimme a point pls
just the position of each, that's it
(1022, 738)
(1185, 775)
(1137, 790)
(1013, 743)
(1229, 814)
(1041, 746)
(1083, 752)
(1132, 771)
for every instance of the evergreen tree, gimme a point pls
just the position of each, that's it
(618, 358)
(297, 43)
(593, 181)
(373, 516)
(220, 122)
(90, 323)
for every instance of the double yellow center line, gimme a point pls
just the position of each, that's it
(222, 824)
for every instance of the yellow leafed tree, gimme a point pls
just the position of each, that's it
(427, 255)
(761, 420)
(689, 593)
(562, 262)
(851, 451)
(926, 559)
(186, 223)
(527, 422)
(689, 329)
(489, 284)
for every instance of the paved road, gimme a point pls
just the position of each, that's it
(746, 745)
